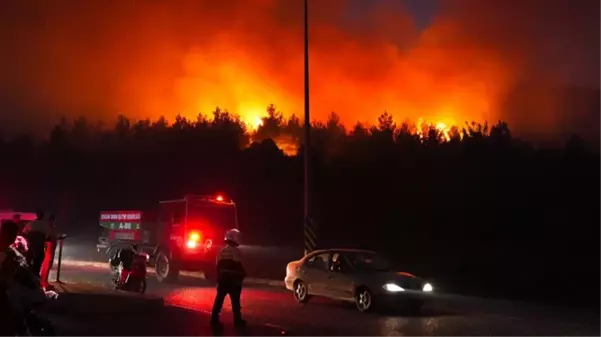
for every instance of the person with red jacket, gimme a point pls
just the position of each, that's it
(48, 254)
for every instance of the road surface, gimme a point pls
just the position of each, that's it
(444, 316)
(254, 256)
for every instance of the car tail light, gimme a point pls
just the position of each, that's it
(194, 239)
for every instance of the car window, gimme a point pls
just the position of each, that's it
(319, 262)
(336, 262)
(367, 261)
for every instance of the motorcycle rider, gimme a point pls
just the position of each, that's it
(37, 233)
(230, 274)
(125, 257)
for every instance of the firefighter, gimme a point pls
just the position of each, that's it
(230, 274)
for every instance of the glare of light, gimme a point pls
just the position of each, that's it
(194, 237)
(393, 288)
(193, 240)
(219, 198)
(251, 112)
(257, 122)
(428, 287)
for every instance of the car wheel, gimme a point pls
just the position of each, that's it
(364, 299)
(301, 292)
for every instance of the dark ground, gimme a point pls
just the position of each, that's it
(274, 307)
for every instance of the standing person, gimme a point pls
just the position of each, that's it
(230, 274)
(37, 233)
(8, 234)
(48, 254)
(20, 224)
(17, 219)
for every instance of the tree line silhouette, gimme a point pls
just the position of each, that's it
(473, 208)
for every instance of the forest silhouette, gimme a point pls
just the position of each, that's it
(472, 207)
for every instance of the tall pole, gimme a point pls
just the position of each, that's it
(310, 233)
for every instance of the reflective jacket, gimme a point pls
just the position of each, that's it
(229, 266)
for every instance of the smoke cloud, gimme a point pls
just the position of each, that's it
(477, 60)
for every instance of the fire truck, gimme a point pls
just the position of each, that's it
(185, 234)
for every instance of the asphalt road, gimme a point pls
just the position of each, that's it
(445, 315)
(255, 257)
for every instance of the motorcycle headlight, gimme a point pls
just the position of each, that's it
(393, 288)
(427, 287)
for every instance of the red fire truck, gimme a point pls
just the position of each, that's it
(185, 234)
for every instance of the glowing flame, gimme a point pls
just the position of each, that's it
(287, 145)
(443, 128)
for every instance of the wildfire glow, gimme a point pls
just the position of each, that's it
(287, 145)
(161, 58)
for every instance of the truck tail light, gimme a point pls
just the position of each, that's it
(194, 239)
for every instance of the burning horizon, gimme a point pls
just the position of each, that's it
(148, 58)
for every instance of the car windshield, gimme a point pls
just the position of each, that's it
(368, 261)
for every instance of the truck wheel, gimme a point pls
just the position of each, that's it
(166, 270)
(210, 273)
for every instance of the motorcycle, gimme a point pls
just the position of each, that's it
(128, 267)
(26, 295)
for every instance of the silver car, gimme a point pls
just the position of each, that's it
(360, 276)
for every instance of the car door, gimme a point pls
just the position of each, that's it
(340, 279)
(315, 272)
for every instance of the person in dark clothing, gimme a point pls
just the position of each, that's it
(8, 234)
(230, 275)
(37, 233)
(17, 220)
(8, 264)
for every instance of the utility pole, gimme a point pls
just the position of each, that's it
(309, 226)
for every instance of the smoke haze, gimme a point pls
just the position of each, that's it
(524, 61)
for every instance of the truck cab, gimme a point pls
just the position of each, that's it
(193, 231)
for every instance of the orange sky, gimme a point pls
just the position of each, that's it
(150, 58)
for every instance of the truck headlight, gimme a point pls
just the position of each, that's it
(393, 288)
(427, 287)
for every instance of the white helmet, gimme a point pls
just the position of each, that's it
(233, 235)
